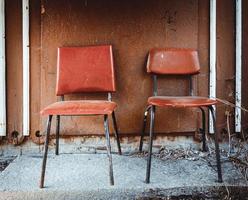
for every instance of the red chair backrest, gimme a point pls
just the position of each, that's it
(173, 61)
(85, 69)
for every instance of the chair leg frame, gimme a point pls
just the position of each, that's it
(203, 130)
(106, 128)
(57, 134)
(116, 133)
(115, 128)
(43, 169)
(217, 151)
(143, 128)
(148, 169)
(152, 114)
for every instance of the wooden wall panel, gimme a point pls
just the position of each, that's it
(202, 80)
(14, 65)
(225, 59)
(132, 27)
(35, 69)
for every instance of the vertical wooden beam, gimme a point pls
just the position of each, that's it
(2, 71)
(26, 74)
(238, 98)
(35, 68)
(212, 76)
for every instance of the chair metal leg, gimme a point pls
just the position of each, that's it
(143, 128)
(203, 130)
(217, 151)
(57, 134)
(45, 152)
(106, 128)
(116, 133)
(148, 169)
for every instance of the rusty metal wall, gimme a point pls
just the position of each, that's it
(132, 27)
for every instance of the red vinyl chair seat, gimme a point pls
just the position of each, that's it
(181, 101)
(80, 107)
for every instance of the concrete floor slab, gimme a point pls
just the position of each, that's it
(85, 176)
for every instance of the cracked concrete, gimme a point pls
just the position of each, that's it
(85, 176)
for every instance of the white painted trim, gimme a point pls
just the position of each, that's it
(238, 79)
(26, 74)
(2, 71)
(212, 75)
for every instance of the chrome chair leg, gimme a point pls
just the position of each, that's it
(143, 128)
(116, 133)
(203, 130)
(57, 134)
(43, 170)
(106, 128)
(217, 151)
(148, 169)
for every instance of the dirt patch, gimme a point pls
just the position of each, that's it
(237, 156)
(236, 153)
(207, 193)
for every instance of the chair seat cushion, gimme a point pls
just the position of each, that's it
(181, 101)
(82, 107)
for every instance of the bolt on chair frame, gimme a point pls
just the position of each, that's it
(106, 130)
(152, 109)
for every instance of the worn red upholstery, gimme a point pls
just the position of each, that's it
(181, 101)
(85, 69)
(173, 61)
(86, 107)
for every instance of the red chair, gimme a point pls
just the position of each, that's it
(176, 62)
(83, 69)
